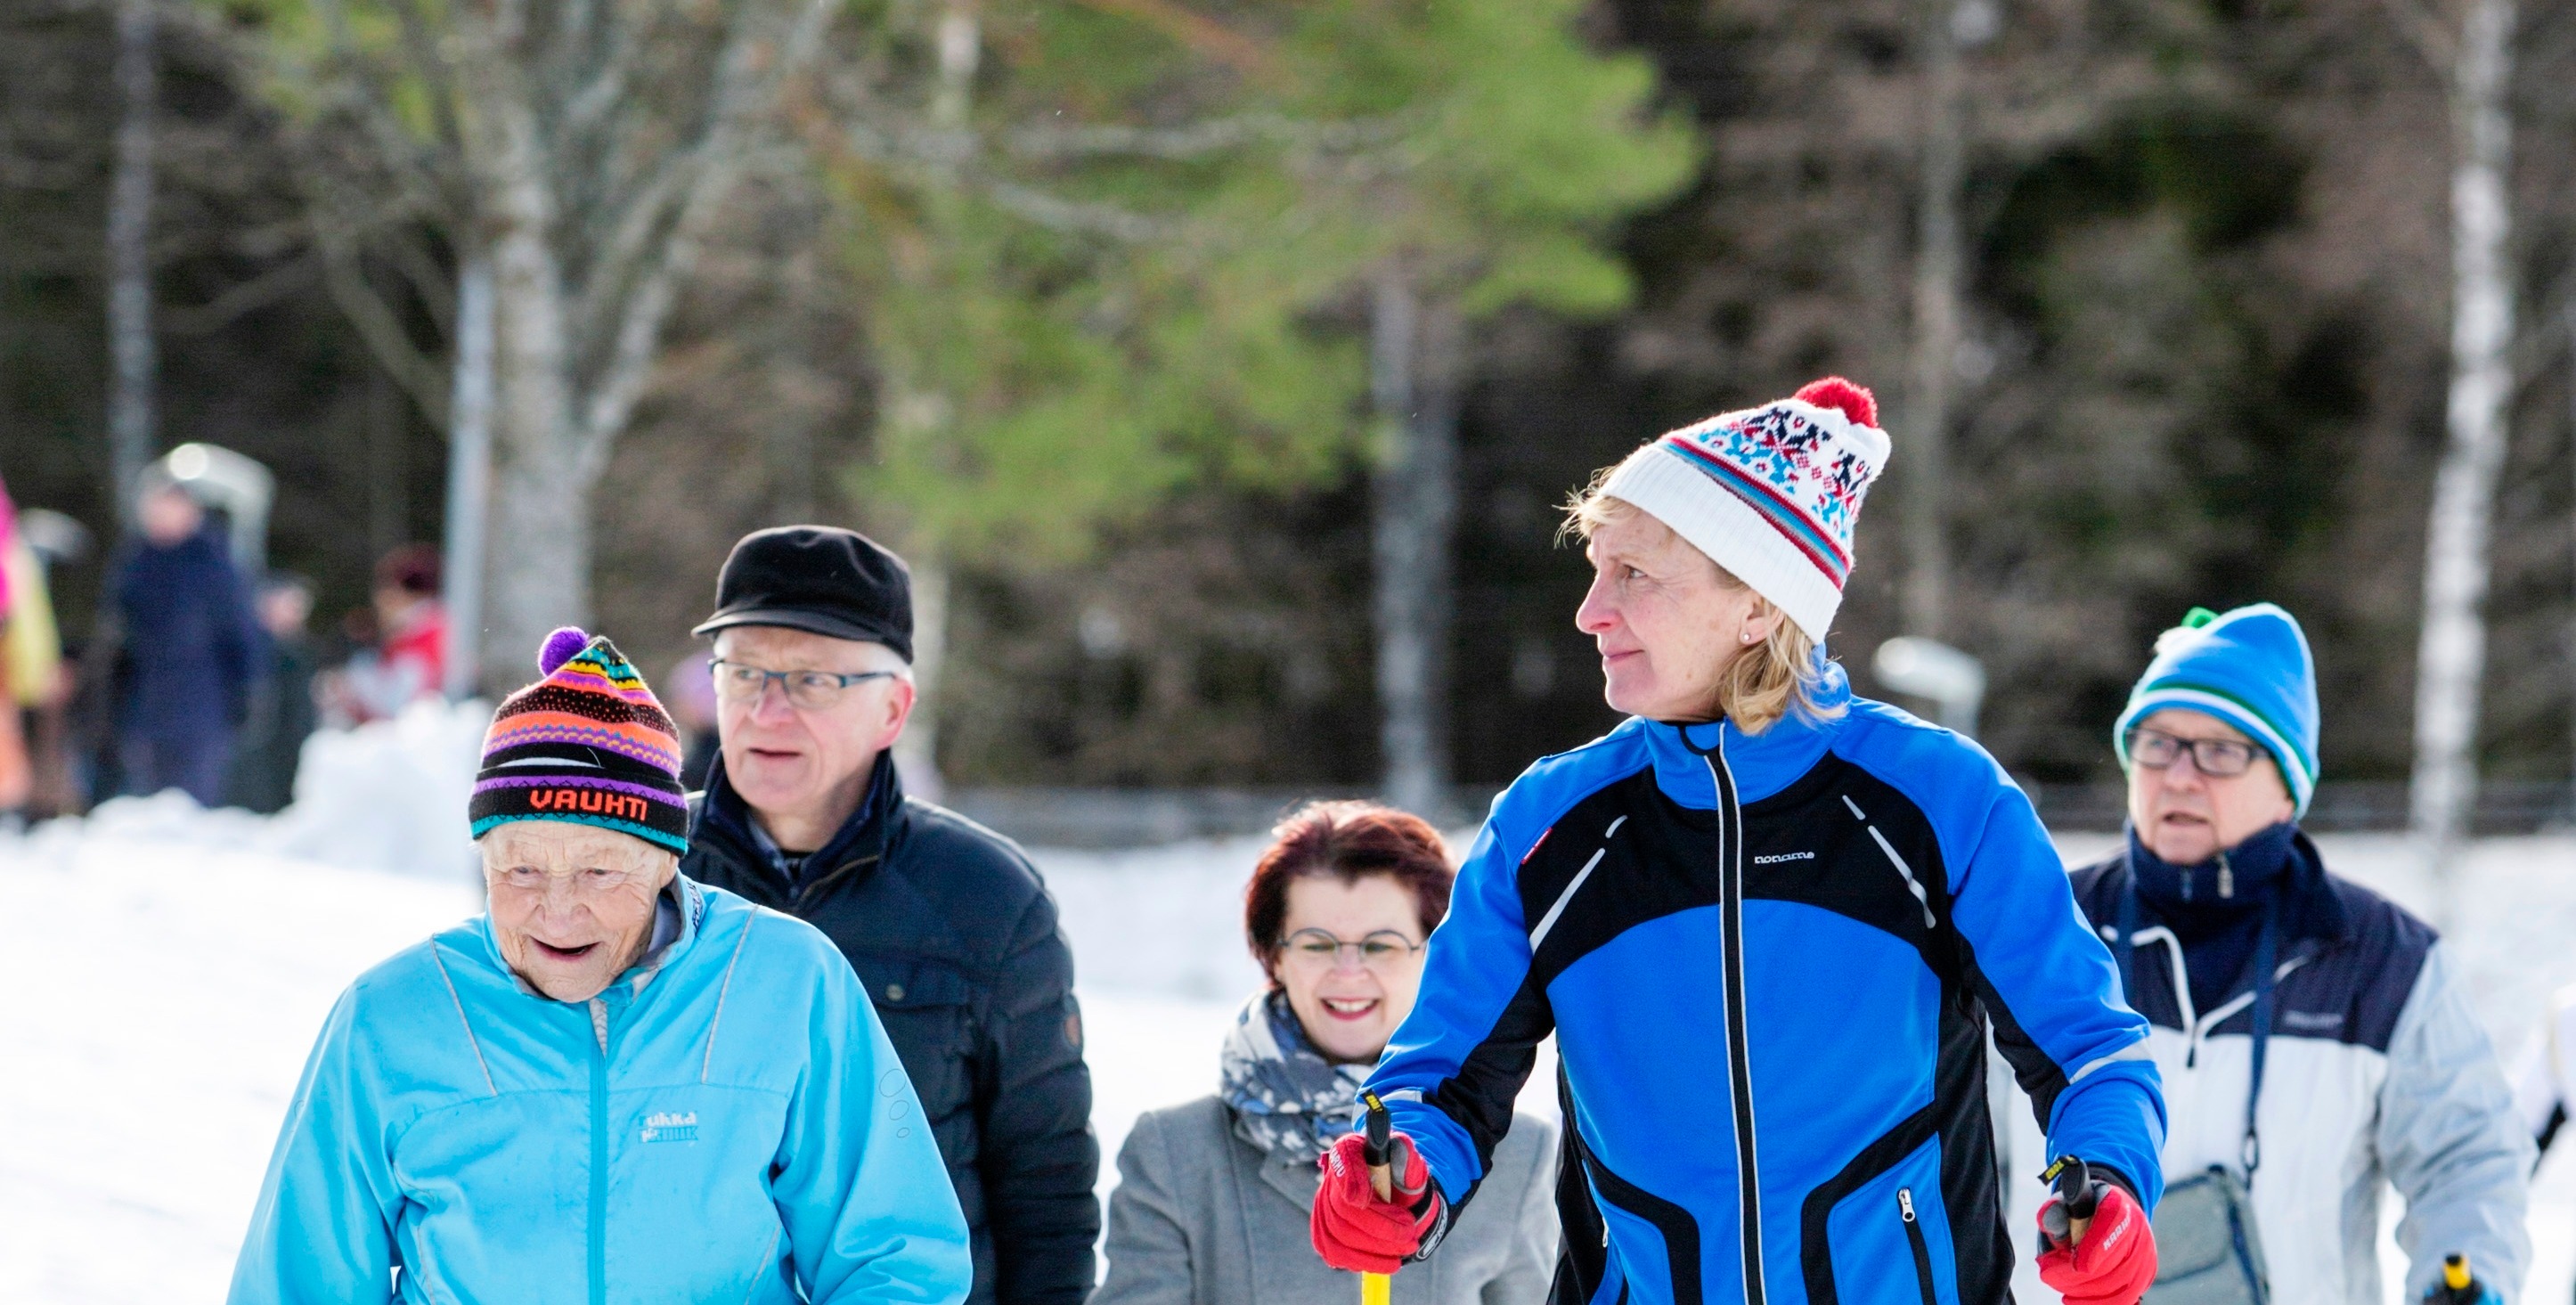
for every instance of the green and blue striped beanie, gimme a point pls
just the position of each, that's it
(2250, 668)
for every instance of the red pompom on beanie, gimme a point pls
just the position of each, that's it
(1851, 400)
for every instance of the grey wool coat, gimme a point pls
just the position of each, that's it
(1203, 1217)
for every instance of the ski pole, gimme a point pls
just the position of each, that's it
(1378, 1288)
(2078, 1196)
(2457, 1285)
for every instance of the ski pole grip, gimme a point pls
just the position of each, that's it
(1376, 1148)
(2456, 1276)
(2077, 1194)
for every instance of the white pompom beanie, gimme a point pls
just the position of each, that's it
(1770, 493)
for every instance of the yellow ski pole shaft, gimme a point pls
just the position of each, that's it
(1378, 1288)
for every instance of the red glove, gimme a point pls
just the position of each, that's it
(2116, 1260)
(1353, 1229)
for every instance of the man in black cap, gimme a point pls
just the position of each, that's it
(946, 922)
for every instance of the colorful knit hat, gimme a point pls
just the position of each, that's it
(1770, 493)
(587, 744)
(2250, 668)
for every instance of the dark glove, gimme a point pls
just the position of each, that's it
(2112, 1262)
(1353, 1229)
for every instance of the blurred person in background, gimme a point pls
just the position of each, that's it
(1768, 922)
(408, 660)
(17, 775)
(1214, 1197)
(692, 701)
(39, 681)
(191, 650)
(950, 928)
(2316, 1042)
(283, 713)
(614, 1081)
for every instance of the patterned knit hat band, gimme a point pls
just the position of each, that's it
(1772, 494)
(588, 744)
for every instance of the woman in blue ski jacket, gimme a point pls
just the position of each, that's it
(617, 1085)
(1769, 924)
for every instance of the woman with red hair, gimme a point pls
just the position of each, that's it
(1214, 1196)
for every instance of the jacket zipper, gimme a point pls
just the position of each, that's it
(1739, 1061)
(599, 1152)
(814, 887)
(1914, 1238)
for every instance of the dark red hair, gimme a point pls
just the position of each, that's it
(1349, 841)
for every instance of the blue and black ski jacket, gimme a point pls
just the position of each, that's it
(1769, 962)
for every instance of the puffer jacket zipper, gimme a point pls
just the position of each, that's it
(1739, 1060)
(1914, 1239)
(599, 1152)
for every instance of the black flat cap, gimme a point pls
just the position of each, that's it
(820, 579)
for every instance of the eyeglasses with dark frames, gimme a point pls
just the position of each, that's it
(2216, 758)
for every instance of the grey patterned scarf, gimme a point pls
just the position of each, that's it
(1287, 1099)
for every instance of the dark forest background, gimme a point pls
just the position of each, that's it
(2210, 297)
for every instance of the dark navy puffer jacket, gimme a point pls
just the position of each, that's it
(1770, 962)
(192, 645)
(955, 938)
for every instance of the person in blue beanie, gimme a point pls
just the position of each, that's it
(2316, 1042)
(1769, 924)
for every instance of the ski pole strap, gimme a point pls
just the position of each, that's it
(2267, 947)
(2124, 944)
(2267, 950)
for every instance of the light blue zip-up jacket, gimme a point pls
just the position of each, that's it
(727, 1122)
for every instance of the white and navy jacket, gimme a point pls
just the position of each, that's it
(1769, 962)
(2376, 1071)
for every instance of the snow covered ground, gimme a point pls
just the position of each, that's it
(167, 969)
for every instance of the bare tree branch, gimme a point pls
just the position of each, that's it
(1046, 141)
(420, 376)
(1073, 217)
(2423, 29)
(752, 76)
(236, 301)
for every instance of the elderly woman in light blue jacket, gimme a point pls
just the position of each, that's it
(617, 1085)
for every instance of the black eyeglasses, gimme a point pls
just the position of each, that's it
(806, 690)
(2216, 758)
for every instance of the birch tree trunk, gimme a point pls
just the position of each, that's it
(1415, 367)
(469, 475)
(916, 753)
(2450, 660)
(1932, 370)
(134, 360)
(541, 510)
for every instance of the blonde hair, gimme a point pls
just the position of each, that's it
(1761, 683)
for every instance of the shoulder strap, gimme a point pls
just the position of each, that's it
(2124, 945)
(2267, 948)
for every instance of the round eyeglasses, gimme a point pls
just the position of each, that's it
(1384, 951)
(2216, 758)
(805, 690)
